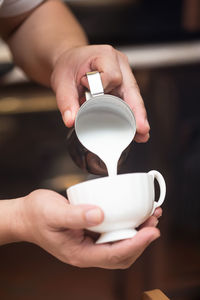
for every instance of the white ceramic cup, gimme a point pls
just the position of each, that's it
(127, 200)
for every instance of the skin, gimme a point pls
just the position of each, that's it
(50, 46)
(55, 52)
(46, 219)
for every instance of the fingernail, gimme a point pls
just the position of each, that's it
(158, 213)
(93, 216)
(67, 117)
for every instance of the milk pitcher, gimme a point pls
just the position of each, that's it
(99, 111)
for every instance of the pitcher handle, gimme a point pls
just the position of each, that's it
(95, 85)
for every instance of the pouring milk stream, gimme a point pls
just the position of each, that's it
(105, 124)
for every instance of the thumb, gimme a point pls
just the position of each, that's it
(80, 216)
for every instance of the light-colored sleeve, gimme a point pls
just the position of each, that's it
(11, 8)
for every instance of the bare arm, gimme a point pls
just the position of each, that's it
(51, 47)
(10, 224)
(38, 37)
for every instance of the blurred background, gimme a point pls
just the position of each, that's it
(162, 42)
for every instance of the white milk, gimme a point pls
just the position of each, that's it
(106, 135)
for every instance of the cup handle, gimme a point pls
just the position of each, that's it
(156, 175)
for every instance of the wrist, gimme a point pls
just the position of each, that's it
(11, 221)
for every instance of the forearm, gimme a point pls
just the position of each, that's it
(50, 30)
(11, 226)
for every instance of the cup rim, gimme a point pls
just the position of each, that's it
(72, 187)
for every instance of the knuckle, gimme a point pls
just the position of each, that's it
(40, 194)
(124, 57)
(108, 48)
(37, 192)
(117, 79)
(44, 192)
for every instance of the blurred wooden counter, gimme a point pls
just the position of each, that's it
(26, 97)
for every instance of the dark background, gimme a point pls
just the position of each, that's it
(33, 151)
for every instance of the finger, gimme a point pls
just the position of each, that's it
(77, 216)
(150, 222)
(141, 138)
(153, 220)
(116, 255)
(107, 65)
(136, 245)
(67, 98)
(131, 94)
(158, 212)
